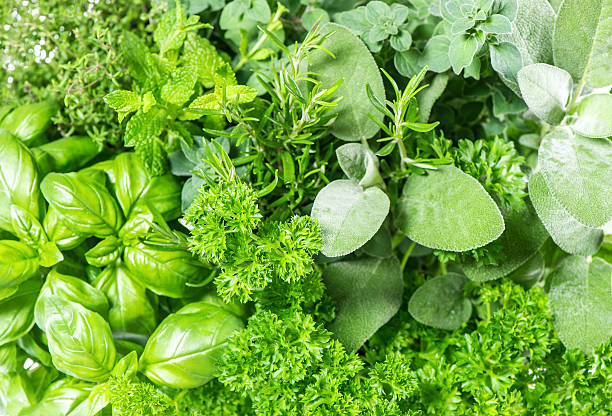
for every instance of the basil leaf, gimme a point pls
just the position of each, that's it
(105, 252)
(349, 216)
(523, 237)
(582, 40)
(432, 211)
(566, 232)
(58, 233)
(546, 89)
(135, 187)
(85, 206)
(60, 398)
(130, 307)
(353, 63)
(577, 171)
(367, 293)
(18, 263)
(17, 312)
(18, 180)
(593, 116)
(71, 289)
(581, 301)
(28, 122)
(184, 349)
(440, 302)
(80, 341)
(163, 270)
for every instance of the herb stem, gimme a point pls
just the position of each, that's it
(407, 254)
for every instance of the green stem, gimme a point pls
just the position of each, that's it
(407, 254)
(576, 95)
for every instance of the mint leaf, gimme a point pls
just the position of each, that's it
(144, 127)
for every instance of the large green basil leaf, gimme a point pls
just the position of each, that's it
(581, 301)
(184, 349)
(17, 312)
(18, 180)
(29, 122)
(523, 237)
(105, 252)
(131, 310)
(58, 233)
(163, 270)
(353, 63)
(447, 209)
(440, 302)
(72, 289)
(66, 154)
(582, 41)
(565, 231)
(60, 398)
(135, 187)
(349, 215)
(84, 205)
(367, 293)
(577, 171)
(80, 341)
(18, 263)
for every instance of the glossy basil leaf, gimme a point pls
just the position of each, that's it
(28, 122)
(577, 171)
(130, 308)
(433, 211)
(359, 163)
(353, 63)
(80, 340)
(127, 366)
(593, 114)
(57, 232)
(84, 205)
(135, 187)
(60, 398)
(96, 401)
(184, 349)
(18, 263)
(33, 348)
(17, 312)
(349, 215)
(71, 289)
(440, 302)
(26, 226)
(105, 252)
(49, 254)
(523, 237)
(583, 39)
(546, 89)
(581, 300)
(367, 293)
(566, 232)
(18, 180)
(66, 154)
(163, 270)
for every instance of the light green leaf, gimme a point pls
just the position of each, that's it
(58, 233)
(440, 302)
(26, 226)
(142, 128)
(448, 210)
(577, 171)
(402, 41)
(594, 116)
(349, 216)
(28, 122)
(60, 398)
(184, 349)
(565, 231)
(436, 54)
(380, 245)
(123, 101)
(84, 205)
(17, 312)
(496, 24)
(181, 86)
(359, 163)
(239, 94)
(581, 300)
(130, 307)
(367, 293)
(18, 263)
(582, 42)
(462, 51)
(523, 237)
(507, 61)
(203, 56)
(546, 90)
(354, 64)
(80, 341)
